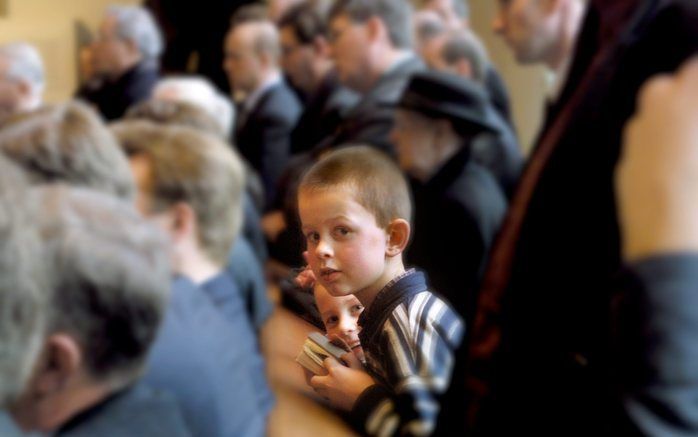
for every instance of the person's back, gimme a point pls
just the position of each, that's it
(198, 357)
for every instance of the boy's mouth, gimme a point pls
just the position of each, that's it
(329, 274)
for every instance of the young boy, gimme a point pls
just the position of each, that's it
(355, 207)
(340, 316)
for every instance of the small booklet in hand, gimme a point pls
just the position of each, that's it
(315, 349)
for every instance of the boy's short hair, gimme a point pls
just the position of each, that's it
(108, 275)
(67, 143)
(192, 167)
(377, 182)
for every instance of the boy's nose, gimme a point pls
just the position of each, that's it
(323, 250)
(346, 325)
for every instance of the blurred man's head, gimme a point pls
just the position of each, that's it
(22, 78)
(305, 52)
(198, 91)
(23, 299)
(108, 287)
(127, 36)
(462, 53)
(454, 13)
(278, 8)
(190, 184)
(251, 54)
(365, 36)
(539, 31)
(67, 143)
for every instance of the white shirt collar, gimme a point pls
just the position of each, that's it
(252, 98)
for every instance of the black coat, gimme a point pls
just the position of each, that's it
(372, 118)
(323, 113)
(457, 214)
(263, 136)
(539, 353)
(113, 98)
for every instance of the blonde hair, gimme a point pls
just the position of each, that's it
(376, 181)
(195, 168)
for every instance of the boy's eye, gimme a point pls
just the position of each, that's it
(312, 237)
(342, 231)
(331, 320)
(357, 309)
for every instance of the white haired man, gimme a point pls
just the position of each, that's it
(107, 291)
(198, 91)
(22, 78)
(125, 58)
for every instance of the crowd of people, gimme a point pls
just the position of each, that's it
(229, 178)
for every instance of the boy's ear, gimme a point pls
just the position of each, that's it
(398, 236)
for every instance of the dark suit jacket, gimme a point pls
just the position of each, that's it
(114, 98)
(656, 319)
(539, 356)
(457, 215)
(198, 28)
(207, 363)
(263, 136)
(323, 113)
(372, 118)
(135, 411)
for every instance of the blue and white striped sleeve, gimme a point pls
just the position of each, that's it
(418, 345)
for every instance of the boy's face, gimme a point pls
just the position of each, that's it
(347, 249)
(340, 315)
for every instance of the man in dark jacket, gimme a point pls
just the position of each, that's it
(539, 357)
(306, 61)
(269, 109)
(459, 205)
(125, 56)
(371, 46)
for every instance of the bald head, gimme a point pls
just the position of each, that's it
(252, 54)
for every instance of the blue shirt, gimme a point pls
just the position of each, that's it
(206, 363)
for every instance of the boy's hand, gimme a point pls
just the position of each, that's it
(342, 385)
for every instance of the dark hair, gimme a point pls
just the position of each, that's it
(307, 20)
(395, 14)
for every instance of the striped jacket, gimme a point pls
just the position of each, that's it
(409, 336)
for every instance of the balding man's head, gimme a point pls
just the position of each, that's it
(251, 54)
(21, 78)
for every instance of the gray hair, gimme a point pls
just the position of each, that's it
(109, 278)
(25, 64)
(464, 44)
(67, 143)
(395, 14)
(135, 23)
(22, 286)
(198, 91)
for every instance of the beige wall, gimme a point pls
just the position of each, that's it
(50, 25)
(526, 85)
